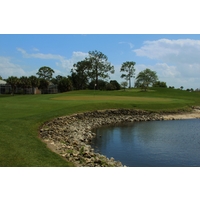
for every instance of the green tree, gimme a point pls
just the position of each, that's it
(56, 80)
(124, 84)
(160, 84)
(1, 78)
(128, 68)
(65, 85)
(110, 86)
(13, 81)
(80, 74)
(74, 79)
(43, 84)
(115, 84)
(24, 83)
(181, 87)
(145, 79)
(35, 82)
(99, 66)
(45, 73)
(101, 84)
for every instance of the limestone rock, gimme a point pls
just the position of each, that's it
(72, 134)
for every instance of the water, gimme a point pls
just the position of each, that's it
(151, 144)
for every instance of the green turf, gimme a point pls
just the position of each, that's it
(22, 115)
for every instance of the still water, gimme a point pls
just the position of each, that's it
(151, 144)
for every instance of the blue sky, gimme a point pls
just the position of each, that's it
(175, 57)
(155, 34)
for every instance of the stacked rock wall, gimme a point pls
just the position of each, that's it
(71, 135)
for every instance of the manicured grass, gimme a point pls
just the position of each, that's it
(22, 115)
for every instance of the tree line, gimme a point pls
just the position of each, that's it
(91, 73)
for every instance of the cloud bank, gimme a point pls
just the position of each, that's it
(60, 61)
(8, 68)
(175, 59)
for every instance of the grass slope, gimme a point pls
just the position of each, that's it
(22, 115)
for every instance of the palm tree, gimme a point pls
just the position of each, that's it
(43, 85)
(35, 82)
(24, 83)
(13, 81)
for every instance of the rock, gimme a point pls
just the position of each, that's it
(72, 134)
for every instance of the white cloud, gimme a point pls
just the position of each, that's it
(177, 61)
(166, 71)
(172, 75)
(61, 60)
(78, 55)
(8, 68)
(68, 63)
(182, 51)
(35, 49)
(39, 55)
(129, 43)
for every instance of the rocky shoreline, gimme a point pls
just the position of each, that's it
(70, 136)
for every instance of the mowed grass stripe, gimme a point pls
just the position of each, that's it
(120, 98)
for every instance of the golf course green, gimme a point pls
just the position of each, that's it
(22, 115)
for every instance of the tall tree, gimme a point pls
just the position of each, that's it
(1, 78)
(43, 84)
(99, 66)
(35, 82)
(80, 73)
(45, 73)
(56, 80)
(74, 79)
(101, 85)
(64, 84)
(128, 68)
(124, 84)
(24, 83)
(13, 81)
(146, 78)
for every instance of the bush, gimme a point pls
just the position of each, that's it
(110, 86)
(64, 85)
(101, 85)
(160, 84)
(115, 84)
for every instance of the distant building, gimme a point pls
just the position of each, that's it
(2, 82)
(4, 88)
(52, 89)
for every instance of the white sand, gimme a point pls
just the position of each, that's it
(192, 115)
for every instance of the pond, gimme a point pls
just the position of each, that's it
(151, 144)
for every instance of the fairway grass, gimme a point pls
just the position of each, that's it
(111, 98)
(22, 115)
(124, 99)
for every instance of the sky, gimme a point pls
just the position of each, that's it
(174, 57)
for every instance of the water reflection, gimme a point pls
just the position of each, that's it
(157, 143)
